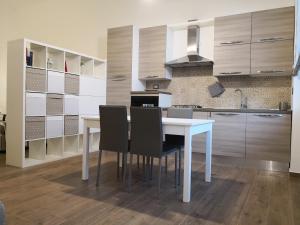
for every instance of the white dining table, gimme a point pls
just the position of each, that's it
(176, 126)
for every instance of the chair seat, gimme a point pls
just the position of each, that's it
(169, 148)
(175, 139)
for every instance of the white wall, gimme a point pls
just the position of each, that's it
(81, 25)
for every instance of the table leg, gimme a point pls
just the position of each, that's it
(208, 155)
(85, 152)
(187, 165)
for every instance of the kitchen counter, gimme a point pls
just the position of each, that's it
(273, 111)
(150, 92)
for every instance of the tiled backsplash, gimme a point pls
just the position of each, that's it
(189, 86)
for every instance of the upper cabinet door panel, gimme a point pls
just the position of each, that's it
(232, 60)
(152, 52)
(272, 58)
(119, 50)
(234, 29)
(274, 24)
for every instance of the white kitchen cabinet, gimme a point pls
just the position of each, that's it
(54, 126)
(35, 104)
(92, 86)
(71, 106)
(56, 82)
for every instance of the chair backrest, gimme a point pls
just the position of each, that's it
(2, 214)
(146, 131)
(186, 113)
(114, 128)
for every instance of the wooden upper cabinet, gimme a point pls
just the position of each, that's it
(229, 133)
(272, 58)
(273, 25)
(268, 136)
(234, 29)
(153, 53)
(119, 50)
(232, 60)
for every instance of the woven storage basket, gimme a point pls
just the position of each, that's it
(55, 104)
(34, 127)
(71, 84)
(36, 80)
(71, 125)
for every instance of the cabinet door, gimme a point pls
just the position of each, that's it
(119, 50)
(268, 137)
(229, 134)
(232, 60)
(118, 90)
(274, 24)
(152, 52)
(234, 29)
(198, 141)
(272, 58)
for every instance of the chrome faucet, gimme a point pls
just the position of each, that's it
(244, 99)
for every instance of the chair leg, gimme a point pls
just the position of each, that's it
(125, 167)
(138, 160)
(148, 169)
(118, 164)
(166, 165)
(144, 166)
(151, 168)
(159, 175)
(98, 168)
(179, 175)
(122, 169)
(130, 173)
(176, 172)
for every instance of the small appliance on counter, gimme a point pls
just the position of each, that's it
(188, 106)
(151, 98)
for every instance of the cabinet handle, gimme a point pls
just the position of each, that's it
(119, 79)
(270, 39)
(153, 76)
(230, 73)
(227, 114)
(118, 76)
(269, 115)
(270, 71)
(231, 42)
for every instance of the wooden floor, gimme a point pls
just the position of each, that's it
(55, 194)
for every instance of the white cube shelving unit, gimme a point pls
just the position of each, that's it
(30, 89)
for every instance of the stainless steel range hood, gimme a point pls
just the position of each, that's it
(193, 58)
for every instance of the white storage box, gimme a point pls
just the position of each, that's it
(89, 105)
(92, 86)
(71, 105)
(56, 82)
(35, 104)
(55, 126)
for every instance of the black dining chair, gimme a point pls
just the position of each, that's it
(113, 135)
(178, 140)
(2, 214)
(147, 138)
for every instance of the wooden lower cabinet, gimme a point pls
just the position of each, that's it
(118, 90)
(268, 136)
(198, 141)
(229, 133)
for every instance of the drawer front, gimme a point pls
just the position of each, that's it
(274, 24)
(229, 134)
(268, 137)
(230, 30)
(71, 84)
(71, 106)
(272, 58)
(55, 104)
(232, 60)
(55, 126)
(198, 141)
(34, 127)
(36, 80)
(92, 86)
(56, 82)
(118, 91)
(71, 125)
(35, 104)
